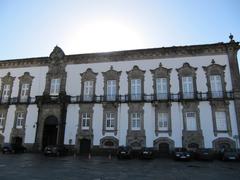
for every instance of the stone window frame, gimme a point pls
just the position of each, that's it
(136, 108)
(8, 79)
(110, 108)
(191, 107)
(111, 75)
(56, 70)
(163, 108)
(136, 73)
(224, 107)
(86, 108)
(161, 72)
(4, 110)
(20, 109)
(184, 71)
(88, 75)
(114, 140)
(26, 78)
(223, 140)
(215, 69)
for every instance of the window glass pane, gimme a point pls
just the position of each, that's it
(221, 120)
(135, 121)
(163, 121)
(111, 89)
(161, 85)
(216, 85)
(88, 90)
(191, 121)
(136, 89)
(55, 87)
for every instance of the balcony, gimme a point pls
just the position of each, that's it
(178, 97)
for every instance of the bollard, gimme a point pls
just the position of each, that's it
(110, 156)
(89, 156)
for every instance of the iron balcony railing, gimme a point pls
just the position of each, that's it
(164, 97)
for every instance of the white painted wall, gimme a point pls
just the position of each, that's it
(31, 121)
(9, 123)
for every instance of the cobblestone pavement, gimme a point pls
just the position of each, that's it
(37, 166)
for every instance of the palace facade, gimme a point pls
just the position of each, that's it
(185, 96)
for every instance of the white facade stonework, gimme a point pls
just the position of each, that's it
(188, 110)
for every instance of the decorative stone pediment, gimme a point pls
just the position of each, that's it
(8, 79)
(26, 78)
(161, 71)
(135, 72)
(214, 69)
(187, 70)
(111, 74)
(57, 54)
(89, 75)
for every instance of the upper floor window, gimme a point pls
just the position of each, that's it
(161, 88)
(187, 87)
(86, 121)
(111, 90)
(162, 121)
(191, 121)
(110, 121)
(88, 90)
(216, 86)
(20, 120)
(221, 121)
(55, 86)
(6, 92)
(136, 83)
(2, 119)
(215, 79)
(136, 89)
(136, 121)
(24, 91)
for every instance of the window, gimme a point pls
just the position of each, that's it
(187, 86)
(216, 86)
(2, 118)
(135, 121)
(163, 121)
(88, 90)
(20, 120)
(6, 92)
(24, 91)
(191, 121)
(221, 120)
(110, 120)
(136, 89)
(111, 90)
(85, 120)
(161, 88)
(55, 87)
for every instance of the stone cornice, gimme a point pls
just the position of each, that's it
(140, 54)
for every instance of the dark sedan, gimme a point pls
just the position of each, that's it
(146, 153)
(124, 152)
(204, 154)
(181, 154)
(229, 155)
(54, 150)
(13, 148)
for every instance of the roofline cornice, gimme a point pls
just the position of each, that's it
(139, 54)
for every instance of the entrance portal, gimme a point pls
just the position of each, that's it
(85, 146)
(163, 149)
(50, 131)
(17, 141)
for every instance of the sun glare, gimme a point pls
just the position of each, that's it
(103, 36)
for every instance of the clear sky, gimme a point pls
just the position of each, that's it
(31, 28)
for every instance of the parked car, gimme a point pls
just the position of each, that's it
(13, 148)
(229, 154)
(204, 154)
(124, 152)
(55, 150)
(181, 154)
(146, 153)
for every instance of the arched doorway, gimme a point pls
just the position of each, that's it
(17, 141)
(50, 131)
(85, 146)
(163, 149)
